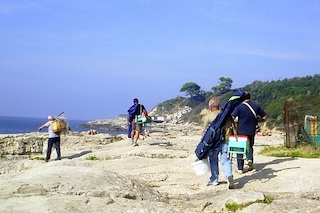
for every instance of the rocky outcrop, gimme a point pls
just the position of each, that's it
(118, 124)
(172, 121)
(21, 144)
(174, 117)
(36, 143)
(96, 175)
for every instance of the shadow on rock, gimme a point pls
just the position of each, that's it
(262, 173)
(78, 155)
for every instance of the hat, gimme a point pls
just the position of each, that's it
(49, 117)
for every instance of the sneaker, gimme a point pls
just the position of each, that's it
(230, 182)
(239, 171)
(135, 144)
(46, 160)
(213, 183)
(250, 165)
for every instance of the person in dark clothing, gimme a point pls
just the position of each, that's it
(247, 114)
(139, 110)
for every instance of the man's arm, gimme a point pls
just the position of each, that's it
(264, 118)
(145, 112)
(41, 127)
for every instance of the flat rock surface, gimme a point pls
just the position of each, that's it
(155, 176)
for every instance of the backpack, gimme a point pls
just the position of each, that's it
(133, 111)
(213, 135)
(58, 126)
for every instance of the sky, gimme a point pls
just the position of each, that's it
(90, 58)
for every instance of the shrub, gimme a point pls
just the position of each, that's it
(90, 157)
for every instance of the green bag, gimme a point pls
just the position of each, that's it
(139, 119)
(146, 119)
(143, 119)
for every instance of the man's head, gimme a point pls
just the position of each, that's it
(246, 95)
(135, 101)
(214, 103)
(50, 118)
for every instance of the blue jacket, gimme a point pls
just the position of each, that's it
(247, 121)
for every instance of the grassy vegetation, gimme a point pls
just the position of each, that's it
(233, 206)
(272, 96)
(37, 158)
(282, 151)
(116, 137)
(92, 157)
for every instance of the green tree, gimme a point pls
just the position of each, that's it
(224, 86)
(191, 89)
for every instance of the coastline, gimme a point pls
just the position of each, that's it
(155, 176)
(19, 125)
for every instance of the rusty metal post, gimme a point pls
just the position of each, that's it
(286, 124)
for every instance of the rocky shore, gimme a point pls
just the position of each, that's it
(104, 173)
(119, 124)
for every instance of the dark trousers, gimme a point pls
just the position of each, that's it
(249, 154)
(56, 142)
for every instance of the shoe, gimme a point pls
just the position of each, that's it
(250, 165)
(239, 171)
(230, 182)
(135, 144)
(58, 159)
(213, 183)
(46, 160)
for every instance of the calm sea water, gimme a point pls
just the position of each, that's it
(15, 125)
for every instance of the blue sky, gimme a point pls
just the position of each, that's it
(90, 58)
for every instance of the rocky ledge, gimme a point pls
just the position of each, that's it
(120, 124)
(106, 124)
(36, 143)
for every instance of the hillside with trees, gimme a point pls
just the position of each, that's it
(302, 92)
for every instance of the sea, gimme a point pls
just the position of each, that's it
(16, 125)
